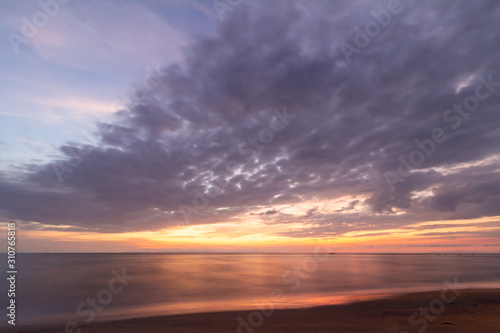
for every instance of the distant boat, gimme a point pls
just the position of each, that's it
(332, 253)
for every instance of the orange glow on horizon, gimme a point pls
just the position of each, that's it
(257, 236)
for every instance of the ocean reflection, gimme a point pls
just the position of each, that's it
(51, 286)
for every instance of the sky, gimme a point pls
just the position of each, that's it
(250, 126)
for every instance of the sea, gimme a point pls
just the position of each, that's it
(81, 288)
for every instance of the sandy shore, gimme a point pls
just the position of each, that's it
(472, 311)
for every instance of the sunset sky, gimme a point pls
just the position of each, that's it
(242, 126)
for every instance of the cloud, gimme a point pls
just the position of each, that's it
(351, 122)
(107, 38)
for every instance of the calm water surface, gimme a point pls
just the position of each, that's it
(51, 287)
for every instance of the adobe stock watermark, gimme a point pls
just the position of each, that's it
(253, 146)
(104, 297)
(154, 78)
(30, 28)
(224, 6)
(456, 116)
(436, 307)
(373, 28)
(77, 154)
(292, 278)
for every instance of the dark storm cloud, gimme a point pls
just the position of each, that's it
(351, 122)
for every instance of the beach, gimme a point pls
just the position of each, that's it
(471, 311)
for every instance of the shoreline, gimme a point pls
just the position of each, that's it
(468, 310)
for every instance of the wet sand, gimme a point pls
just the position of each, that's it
(472, 311)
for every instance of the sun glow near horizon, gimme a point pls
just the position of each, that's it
(463, 236)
